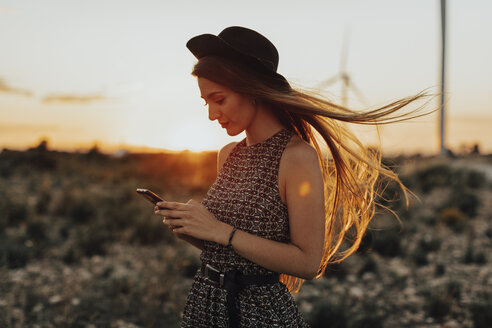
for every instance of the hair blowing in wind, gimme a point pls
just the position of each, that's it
(353, 175)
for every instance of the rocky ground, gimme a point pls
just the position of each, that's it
(435, 271)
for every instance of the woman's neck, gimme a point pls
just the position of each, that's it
(263, 126)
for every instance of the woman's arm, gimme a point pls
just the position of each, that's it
(305, 202)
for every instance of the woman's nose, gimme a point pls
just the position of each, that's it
(213, 114)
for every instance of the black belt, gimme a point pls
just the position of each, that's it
(234, 281)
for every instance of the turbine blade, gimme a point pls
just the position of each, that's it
(344, 56)
(326, 83)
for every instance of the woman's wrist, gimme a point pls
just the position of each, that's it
(223, 234)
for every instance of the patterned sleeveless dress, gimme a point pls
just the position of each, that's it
(246, 195)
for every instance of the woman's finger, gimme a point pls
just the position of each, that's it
(169, 213)
(171, 205)
(173, 221)
(178, 229)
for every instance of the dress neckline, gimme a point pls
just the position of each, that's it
(243, 142)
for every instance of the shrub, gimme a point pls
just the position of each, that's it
(338, 270)
(3, 219)
(368, 318)
(89, 240)
(480, 258)
(425, 245)
(121, 215)
(465, 201)
(453, 218)
(429, 243)
(43, 202)
(149, 231)
(4, 206)
(475, 179)
(190, 265)
(387, 242)
(453, 289)
(36, 231)
(81, 210)
(71, 255)
(419, 256)
(481, 310)
(14, 254)
(119, 285)
(32, 298)
(328, 313)
(6, 169)
(488, 232)
(441, 299)
(471, 257)
(440, 269)
(430, 220)
(16, 213)
(439, 305)
(64, 231)
(468, 258)
(435, 176)
(40, 159)
(370, 265)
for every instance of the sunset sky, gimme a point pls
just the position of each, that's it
(117, 73)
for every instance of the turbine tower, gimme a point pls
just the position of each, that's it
(344, 77)
(443, 149)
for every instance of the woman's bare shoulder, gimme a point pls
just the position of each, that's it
(299, 150)
(224, 153)
(299, 159)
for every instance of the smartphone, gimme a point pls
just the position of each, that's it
(149, 195)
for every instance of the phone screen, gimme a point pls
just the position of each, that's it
(149, 195)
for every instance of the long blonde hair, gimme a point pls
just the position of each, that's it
(351, 178)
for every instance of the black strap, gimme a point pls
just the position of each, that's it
(234, 282)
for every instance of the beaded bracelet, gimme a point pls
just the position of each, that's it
(229, 244)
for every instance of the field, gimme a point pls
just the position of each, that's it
(79, 248)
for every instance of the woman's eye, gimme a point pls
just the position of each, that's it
(220, 101)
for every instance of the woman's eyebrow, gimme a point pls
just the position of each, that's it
(210, 94)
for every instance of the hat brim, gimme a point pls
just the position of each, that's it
(211, 45)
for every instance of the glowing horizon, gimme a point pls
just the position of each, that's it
(396, 139)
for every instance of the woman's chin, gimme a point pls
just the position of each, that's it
(232, 132)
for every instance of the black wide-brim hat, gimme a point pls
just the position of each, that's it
(242, 45)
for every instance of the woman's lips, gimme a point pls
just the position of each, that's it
(224, 124)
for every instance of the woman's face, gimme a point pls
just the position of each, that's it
(234, 111)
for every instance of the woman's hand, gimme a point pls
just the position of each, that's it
(190, 219)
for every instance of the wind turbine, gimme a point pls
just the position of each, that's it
(343, 76)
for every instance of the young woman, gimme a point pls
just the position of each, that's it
(278, 211)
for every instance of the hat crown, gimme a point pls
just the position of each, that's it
(245, 47)
(252, 44)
